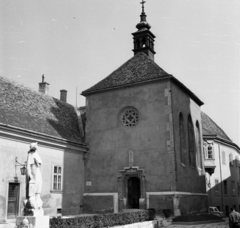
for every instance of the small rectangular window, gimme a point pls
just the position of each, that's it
(59, 211)
(210, 152)
(57, 178)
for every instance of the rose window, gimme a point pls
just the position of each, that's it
(130, 118)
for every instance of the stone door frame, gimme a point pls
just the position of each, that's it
(9, 181)
(125, 174)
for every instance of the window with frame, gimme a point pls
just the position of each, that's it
(233, 188)
(129, 117)
(57, 177)
(225, 187)
(223, 157)
(191, 143)
(210, 151)
(217, 192)
(231, 159)
(182, 139)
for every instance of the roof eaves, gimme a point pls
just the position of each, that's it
(18, 129)
(220, 139)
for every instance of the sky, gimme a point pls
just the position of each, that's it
(77, 43)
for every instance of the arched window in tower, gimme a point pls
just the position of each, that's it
(151, 44)
(182, 139)
(138, 43)
(199, 148)
(143, 42)
(191, 143)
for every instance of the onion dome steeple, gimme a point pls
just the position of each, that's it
(143, 38)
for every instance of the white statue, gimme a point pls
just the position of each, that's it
(33, 203)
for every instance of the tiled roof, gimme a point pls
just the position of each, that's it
(25, 108)
(138, 69)
(211, 128)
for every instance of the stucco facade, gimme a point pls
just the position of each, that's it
(148, 151)
(52, 152)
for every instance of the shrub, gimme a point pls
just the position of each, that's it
(100, 221)
(76, 222)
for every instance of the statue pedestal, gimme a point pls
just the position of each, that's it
(32, 222)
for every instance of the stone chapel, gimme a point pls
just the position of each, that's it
(143, 128)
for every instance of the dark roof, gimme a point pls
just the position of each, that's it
(25, 108)
(209, 127)
(139, 69)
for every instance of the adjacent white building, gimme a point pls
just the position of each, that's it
(221, 160)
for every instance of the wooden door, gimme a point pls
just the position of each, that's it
(13, 200)
(133, 192)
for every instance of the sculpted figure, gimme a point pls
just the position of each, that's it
(34, 164)
(33, 180)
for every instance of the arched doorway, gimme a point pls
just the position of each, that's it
(133, 192)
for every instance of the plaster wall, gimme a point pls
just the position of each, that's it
(11, 148)
(188, 179)
(109, 141)
(224, 172)
(153, 142)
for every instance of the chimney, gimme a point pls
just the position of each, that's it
(63, 95)
(43, 86)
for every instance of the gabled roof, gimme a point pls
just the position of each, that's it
(27, 109)
(209, 127)
(139, 69)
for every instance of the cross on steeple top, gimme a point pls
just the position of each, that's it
(142, 2)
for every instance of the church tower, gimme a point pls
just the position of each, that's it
(143, 39)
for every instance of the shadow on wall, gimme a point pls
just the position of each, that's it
(73, 183)
(225, 193)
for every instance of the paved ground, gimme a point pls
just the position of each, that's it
(165, 223)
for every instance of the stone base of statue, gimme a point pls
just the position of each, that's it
(32, 222)
(33, 215)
